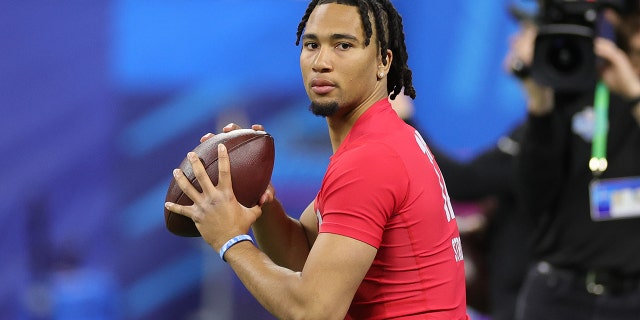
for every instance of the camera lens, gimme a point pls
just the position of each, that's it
(565, 55)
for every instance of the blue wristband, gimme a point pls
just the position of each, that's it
(232, 242)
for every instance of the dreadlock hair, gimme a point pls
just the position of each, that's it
(388, 24)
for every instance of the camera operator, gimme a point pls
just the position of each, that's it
(587, 232)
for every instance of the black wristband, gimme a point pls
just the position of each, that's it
(520, 69)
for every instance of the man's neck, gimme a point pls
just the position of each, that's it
(338, 130)
(340, 124)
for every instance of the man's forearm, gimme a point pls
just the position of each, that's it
(281, 237)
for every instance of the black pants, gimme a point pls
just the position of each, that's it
(550, 293)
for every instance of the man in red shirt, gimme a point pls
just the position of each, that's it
(380, 240)
(384, 189)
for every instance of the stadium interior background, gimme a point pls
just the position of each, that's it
(102, 99)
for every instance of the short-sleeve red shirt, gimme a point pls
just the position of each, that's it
(384, 188)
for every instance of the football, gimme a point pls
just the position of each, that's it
(251, 158)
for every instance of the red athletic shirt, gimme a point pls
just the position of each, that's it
(384, 188)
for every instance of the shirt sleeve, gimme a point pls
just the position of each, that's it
(362, 190)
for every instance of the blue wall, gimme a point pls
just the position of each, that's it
(101, 99)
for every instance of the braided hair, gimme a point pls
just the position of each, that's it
(388, 24)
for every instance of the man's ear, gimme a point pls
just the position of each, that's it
(382, 67)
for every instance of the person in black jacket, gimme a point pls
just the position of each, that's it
(587, 225)
(495, 244)
(497, 241)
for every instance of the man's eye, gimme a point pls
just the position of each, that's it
(311, 45)
(344, 46)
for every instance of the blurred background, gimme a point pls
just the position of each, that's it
(102, 99)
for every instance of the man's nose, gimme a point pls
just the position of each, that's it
(322, 62)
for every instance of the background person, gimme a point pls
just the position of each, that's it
(492, 227)
(587, 262)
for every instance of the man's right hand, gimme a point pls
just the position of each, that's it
(521, 51)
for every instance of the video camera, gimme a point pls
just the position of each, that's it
(563, 54)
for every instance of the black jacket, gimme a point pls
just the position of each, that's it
(554, 177)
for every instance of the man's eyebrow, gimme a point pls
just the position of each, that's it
(335, 36)
(309, 36)
(340, 36)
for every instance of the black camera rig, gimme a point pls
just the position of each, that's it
(563, 54)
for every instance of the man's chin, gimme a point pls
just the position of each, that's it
(323, 109)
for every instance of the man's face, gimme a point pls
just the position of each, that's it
(337, 69)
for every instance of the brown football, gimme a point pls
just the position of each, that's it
(251, 156)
